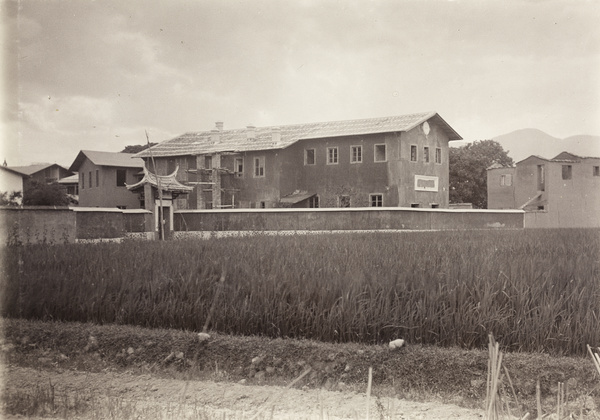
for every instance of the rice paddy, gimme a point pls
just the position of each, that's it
(535, 290)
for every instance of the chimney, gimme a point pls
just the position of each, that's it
(276, 134)
(215, 136)
(219, 125)
(251, 132)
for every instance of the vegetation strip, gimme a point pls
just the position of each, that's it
(414, 372)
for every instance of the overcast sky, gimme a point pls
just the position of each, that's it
(95, 74)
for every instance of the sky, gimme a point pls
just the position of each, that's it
(97, 75)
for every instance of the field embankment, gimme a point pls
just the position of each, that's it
(137, 364)
(535, 290)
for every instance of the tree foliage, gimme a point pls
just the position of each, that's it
(468, 170)
(10, 199)
(136, 148)
(41, 194)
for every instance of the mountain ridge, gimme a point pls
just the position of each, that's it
(522, 143)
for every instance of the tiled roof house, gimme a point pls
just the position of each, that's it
(103, 177)
(383, 162)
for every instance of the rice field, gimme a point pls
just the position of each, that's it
(535, 290)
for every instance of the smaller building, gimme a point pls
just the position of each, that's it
(103, 179)
(11, 182)
(560, 192)
(43, 172)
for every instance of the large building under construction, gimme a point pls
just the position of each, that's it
(399, 161)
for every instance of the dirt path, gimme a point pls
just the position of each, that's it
(167, 398)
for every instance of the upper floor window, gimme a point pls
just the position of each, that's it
(313, 202)
(121, 177)
(438, 155)
(259, 167)
(238, 167)
(344, 200)
(97, 178)
(376, 200)
(567, 172)
(309, 157)
(82, 179)
(426, 154)
(332, 155)
(596, 170)
(506, 180)
(380, 153)
(413, 153)
(356, 154)
(207, 162)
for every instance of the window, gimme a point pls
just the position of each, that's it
(82, 179)
(263, 205)
(415, 205)
(413, 153)
(438, 155)
(332, 155)
(171, 165)
(207, 162)
(313, 202)
(356, 154)
(238, 168)
(596, 170)
(380, 155)
(90, 179)
(344, 201)
(541, 178)
(506, 180)
(567, 172)
(259, 167)
(97, 178)
(309, 157)
(426, 154)
(435, 206)
(121, 177)
(376, 200)
(122, 207)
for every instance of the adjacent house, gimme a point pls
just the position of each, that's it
(103, 177)
(398, 161)
(11, 181)
(43, 172)
(560, 192)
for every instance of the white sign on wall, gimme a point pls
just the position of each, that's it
(426, 183)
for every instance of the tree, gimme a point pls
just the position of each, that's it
(10, 199)
(468, 170)
(41, 194)
(136, 148)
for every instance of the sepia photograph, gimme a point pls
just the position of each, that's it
(300, 209)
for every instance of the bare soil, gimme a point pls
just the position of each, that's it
(178, 398)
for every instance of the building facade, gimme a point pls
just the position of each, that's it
(399, 161)
(103, 179)
(559, 192)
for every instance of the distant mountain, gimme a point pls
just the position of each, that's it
(521, 144)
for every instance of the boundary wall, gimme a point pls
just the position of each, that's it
(55, 225)
(338, 219)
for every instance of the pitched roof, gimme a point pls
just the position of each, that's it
(236, 140)
(11, 170)
(121, 160)
(73, 179)
(563, 157)
(32, 169)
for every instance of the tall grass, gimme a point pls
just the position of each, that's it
(536, 290)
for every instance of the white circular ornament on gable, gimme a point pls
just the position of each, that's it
(426, 128)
